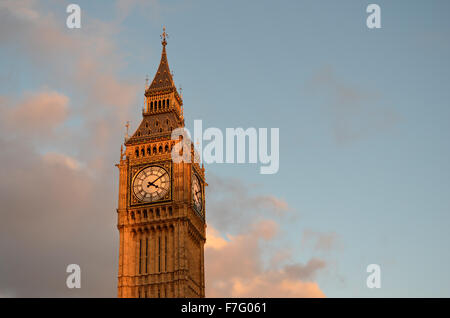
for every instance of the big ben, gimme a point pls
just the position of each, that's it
(161, 208)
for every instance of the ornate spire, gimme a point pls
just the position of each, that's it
(163, 80)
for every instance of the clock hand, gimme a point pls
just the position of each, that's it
(152, 183)
(159, 177)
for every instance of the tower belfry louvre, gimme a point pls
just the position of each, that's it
(161, 207)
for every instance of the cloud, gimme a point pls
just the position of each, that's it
(230, 197)
(54, 158)
(243, 257)
(59, 193)
(234, 267)
(320, 241)
(355, 113)
(54, 213)
(39, 112)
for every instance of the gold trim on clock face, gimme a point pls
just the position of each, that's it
(151, 184)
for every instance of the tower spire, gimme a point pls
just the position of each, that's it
(163, 80)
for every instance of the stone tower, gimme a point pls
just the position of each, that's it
(161, 211)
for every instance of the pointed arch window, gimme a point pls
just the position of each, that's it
(146, 255)
(140, 256)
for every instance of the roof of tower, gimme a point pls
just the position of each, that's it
(163, 78)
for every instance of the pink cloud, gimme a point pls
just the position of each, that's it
(234, 267)
(37, 112)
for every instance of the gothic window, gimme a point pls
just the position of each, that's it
(156, 123)
(157, 212)
(159, 253)
(140, 256)
(143, 152)
(166, 148)
(137, 152)
(148, 151)
(154, 149)
(160, 129)
(170, 210)
(164, 103)
(146, 255)
(167, 103)
(159, 104)
(132, 215)
(160, 149)
(165, 253)
(151, 106)
(145, 213)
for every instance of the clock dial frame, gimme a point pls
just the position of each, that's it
(197, 193)
(151, 184)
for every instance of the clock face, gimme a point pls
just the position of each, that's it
(151, 184)
(197, 193)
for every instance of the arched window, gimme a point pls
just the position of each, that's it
(159, 104)
(137, 152)
(154, 149)
(164, 103)
(143, 152)
(170, 210)
(167, 103)
(160, 149)
(151, 106)
(148, 151)
(166, 148)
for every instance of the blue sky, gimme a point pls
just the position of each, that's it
(363, 117)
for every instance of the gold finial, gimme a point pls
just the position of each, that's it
(164, 35)
(127, 125)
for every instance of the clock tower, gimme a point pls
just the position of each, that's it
(161, 209)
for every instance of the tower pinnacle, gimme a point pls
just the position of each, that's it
(163, 36)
